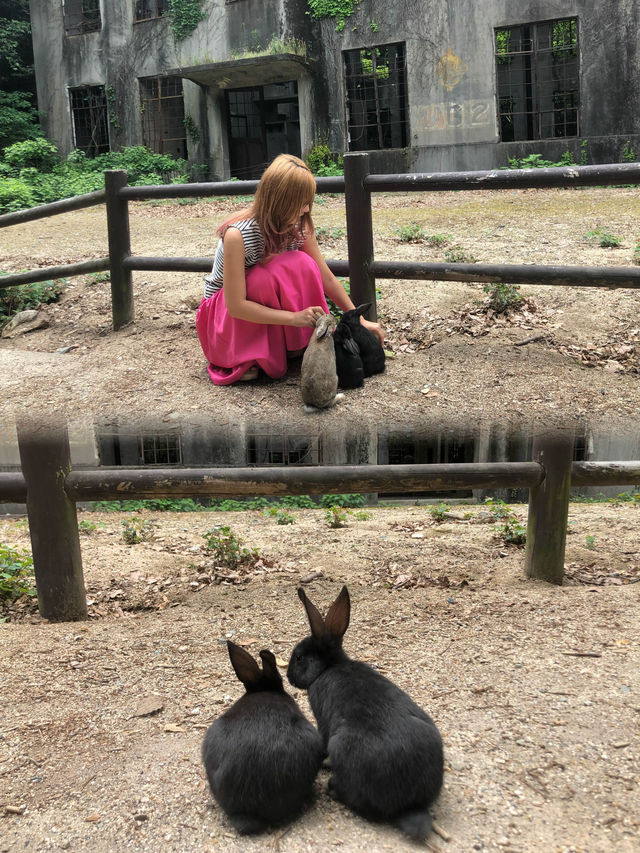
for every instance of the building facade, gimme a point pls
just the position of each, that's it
(423, 85)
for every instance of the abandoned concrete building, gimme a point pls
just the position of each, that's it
(423, 86)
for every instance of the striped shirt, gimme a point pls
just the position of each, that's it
(253, 240)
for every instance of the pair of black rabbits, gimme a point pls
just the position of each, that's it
(262, 756)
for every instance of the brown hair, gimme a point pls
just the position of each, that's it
(286, 186)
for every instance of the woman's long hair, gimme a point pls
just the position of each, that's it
(287, 186)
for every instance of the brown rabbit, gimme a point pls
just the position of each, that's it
(319, 379)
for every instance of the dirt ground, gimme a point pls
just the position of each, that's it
(534, 688)
(450, 363)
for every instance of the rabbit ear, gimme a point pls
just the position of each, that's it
(362, 308)
(244, 665)
(324, 326)
(337, 619)
(269, 665)
(316, 622)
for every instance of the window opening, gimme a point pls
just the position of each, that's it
(160, 450)
(283, 449)
(162, 108)
(81, 16)
(538, 80)
(376, 87)
(148, 9)
(90, 122)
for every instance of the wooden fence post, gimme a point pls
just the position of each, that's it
(119, 248)
(359, 232)
(549, 508)
(53, 522)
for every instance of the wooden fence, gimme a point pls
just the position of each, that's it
(362, 268)
(50, 487)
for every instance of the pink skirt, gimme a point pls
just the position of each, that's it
(290, 281)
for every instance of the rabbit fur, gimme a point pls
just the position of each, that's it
(371, 351)
(348, 362)
(318, 377)
(385, 752)
(262, 755)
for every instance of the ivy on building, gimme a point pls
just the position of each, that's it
(340, 10)
(184, 16)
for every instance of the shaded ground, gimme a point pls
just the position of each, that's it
(535, 688)
(571, 354)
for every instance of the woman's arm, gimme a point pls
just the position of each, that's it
(332, 287)
(235, 291)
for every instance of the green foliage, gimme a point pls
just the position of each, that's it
(590, 541)
(333, 308)
(323, 232)
(112, 111)
(636, 254)
(193, 131)
(536, 161)
(86, 526)
(99, 277)
(322, 162)
(226, 548)
(511, 531)
(605, 239)
(153, 504)
(16, 573)
(14, 195)
(38, 154)
(18, 118)
(347, 500)
(628, 154)
(584, 152)
(412, 233)
(439, 511)
(340, 10)
(25, 296)
(457, 255)
(184, 15)
(503, 298)
(136, 530)
(281, 516)
(336, 516)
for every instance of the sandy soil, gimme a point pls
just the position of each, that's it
(451, 363)
(534, 688)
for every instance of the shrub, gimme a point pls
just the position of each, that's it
(336, 516)
(321, 160)
(18, 118)
(136, 530)
(226, 548)
(457, 255)
(40, 154)
(15, 195)
(25, 296)
(412, 233)
(16, 573)
(604, 238)
(503, 298)
(348, 500)
(511, 531)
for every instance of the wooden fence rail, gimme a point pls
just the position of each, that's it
(361, 267)
(51, 489)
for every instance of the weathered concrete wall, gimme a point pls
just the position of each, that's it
(450, 73)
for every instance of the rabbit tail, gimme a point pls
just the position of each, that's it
(416, 824)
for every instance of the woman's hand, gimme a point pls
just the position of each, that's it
(376, 328)
(308, 316)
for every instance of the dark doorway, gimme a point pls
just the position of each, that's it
(262, 121)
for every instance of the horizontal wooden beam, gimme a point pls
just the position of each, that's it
(605, 474)
(64, 205)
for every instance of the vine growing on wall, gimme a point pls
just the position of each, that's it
(340, 10)
(111, 109)
(193, 131)
(184, 16)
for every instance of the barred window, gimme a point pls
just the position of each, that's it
(81, 16)
(538, 80)
(283, 449)
(162, 108)
(376, 87)
(90, 122)
(148, 9)
(160, 450)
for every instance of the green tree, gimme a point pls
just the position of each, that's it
(18, 116)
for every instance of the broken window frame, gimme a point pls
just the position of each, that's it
(90, 104)
(149, 10)
(81, 16)
(376, 87)
(538, 80)
(159, 92)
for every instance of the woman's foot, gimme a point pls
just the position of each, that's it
(250, 374)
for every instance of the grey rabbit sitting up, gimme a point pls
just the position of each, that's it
(262, 755)
(318, 376)
(385, 752)
(370, 348)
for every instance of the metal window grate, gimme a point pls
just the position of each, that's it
(146, 10)
(81, 16)
(90, 122)
(162, 107)
(538, 80)
(160, 450)
(283, 449)
(377, 103)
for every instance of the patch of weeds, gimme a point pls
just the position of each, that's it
(323, 232)
(438, 511)
(412, 233)
(627, 497)
(503, 298)
(590, 542)
(511, 531)
(136, 530)
(153, 504)
(281, 515)
(604, 238)
(226, 548)
(99, 278)
(88, 527)
(16, 573)
(361, 515)
(628, 154)
(25, 296)
(347, 500)
(336, 516)
(457, 255)
(636, 254)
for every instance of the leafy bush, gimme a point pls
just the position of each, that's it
(15, 195)
(348, 500)
(536, 161)
(412, 233)
(226, 548)
(503, 298)
(604, 238)
(438, 512)
(457, 255)
(136, 530)
(16, 573)
(511, 531)
(25, 296)
(18, 118)
(281, 516)
(321, 160)
(336, 516)
(40, 154)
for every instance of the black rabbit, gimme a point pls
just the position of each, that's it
(348, 362)
(262, 755)
(371, 351)
(385, 752)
